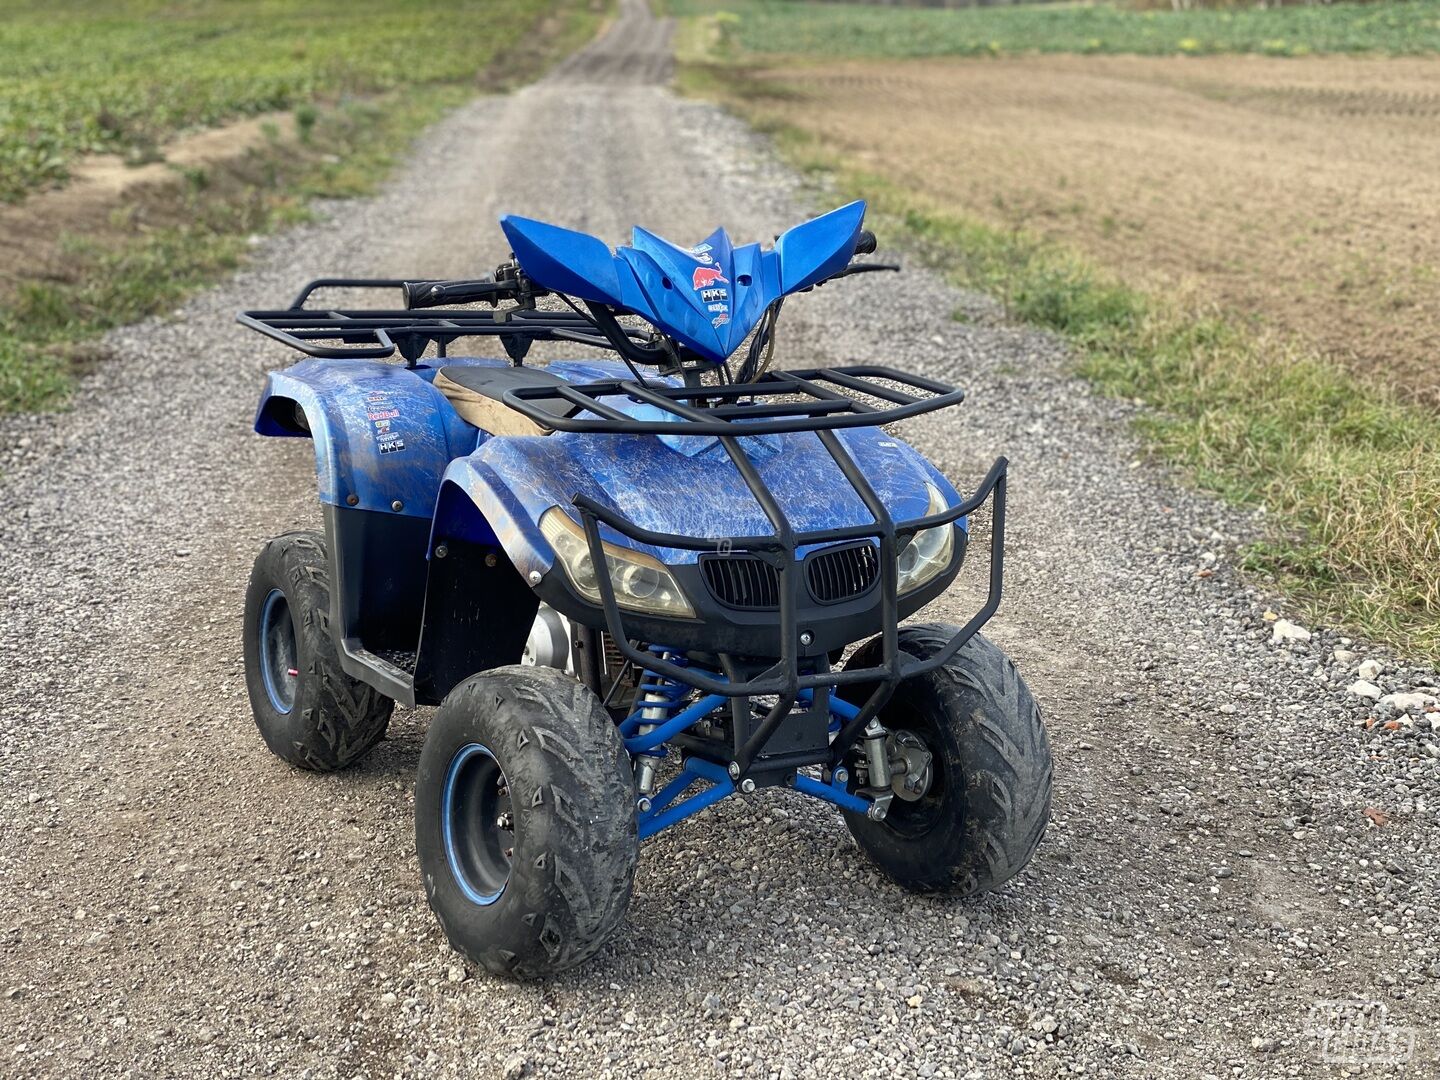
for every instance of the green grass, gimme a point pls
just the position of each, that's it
(122, 76)
(1349, 475)
(865, 30)
(157, 252)
(45, 328)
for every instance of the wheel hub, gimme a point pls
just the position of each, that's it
(478, 824)
(279, 656)
(911, 765)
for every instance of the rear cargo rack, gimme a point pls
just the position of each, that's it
(377, 334)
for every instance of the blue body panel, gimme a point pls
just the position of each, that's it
(382, 433)
(682, 485)
(515, 479)
(710, 296)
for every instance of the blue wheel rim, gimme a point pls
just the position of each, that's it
(279, 656)
(477, 824)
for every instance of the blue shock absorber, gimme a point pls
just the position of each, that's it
(655, 703)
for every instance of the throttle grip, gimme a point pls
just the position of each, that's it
(425, 294)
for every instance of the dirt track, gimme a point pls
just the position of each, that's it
(1304, 191)
(178, 903)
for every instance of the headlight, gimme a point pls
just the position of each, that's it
(640, 582)
(929, 551)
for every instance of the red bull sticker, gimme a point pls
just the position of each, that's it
(705, 276)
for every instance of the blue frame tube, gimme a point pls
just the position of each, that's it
(832, 793)
(665, 810)
(639, 744)
(661, 815)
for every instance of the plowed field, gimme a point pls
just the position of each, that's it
(1303, 191)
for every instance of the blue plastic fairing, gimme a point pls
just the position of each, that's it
(709, 296)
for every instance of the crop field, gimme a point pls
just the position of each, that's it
(142, 143)
(1250, 243)
(838, 30)
(123, 76)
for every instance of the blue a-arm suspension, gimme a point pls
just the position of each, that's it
(671, 805)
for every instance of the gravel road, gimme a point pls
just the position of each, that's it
(1233, 840)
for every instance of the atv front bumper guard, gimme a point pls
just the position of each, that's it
(785, 678)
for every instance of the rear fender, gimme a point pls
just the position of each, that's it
(382, 434)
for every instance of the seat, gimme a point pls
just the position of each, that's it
(475, 393)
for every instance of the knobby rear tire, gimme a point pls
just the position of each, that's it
(333, 720)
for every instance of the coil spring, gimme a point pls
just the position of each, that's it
(657, 699)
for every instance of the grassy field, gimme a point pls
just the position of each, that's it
(835, 30)
(358, 79)
(1249, 244)
(123, 76)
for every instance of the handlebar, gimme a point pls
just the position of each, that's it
(865, 243)
(508, 283)
(427, 294)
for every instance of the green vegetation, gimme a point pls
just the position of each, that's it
(122, 76)
(159, 245)
(792, 27)
(45, 326)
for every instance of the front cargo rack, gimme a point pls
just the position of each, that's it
(815, 399)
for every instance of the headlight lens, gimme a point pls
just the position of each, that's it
(929, 551)
(640, 582)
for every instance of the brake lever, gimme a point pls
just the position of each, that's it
(856, 268)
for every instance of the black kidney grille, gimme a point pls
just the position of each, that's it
(840, 573)
(742, 581)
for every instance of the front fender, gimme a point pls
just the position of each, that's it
(382, 434)
(476, 504)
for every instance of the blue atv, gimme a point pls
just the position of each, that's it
(631, 586)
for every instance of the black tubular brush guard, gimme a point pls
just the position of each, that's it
(822, 410)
